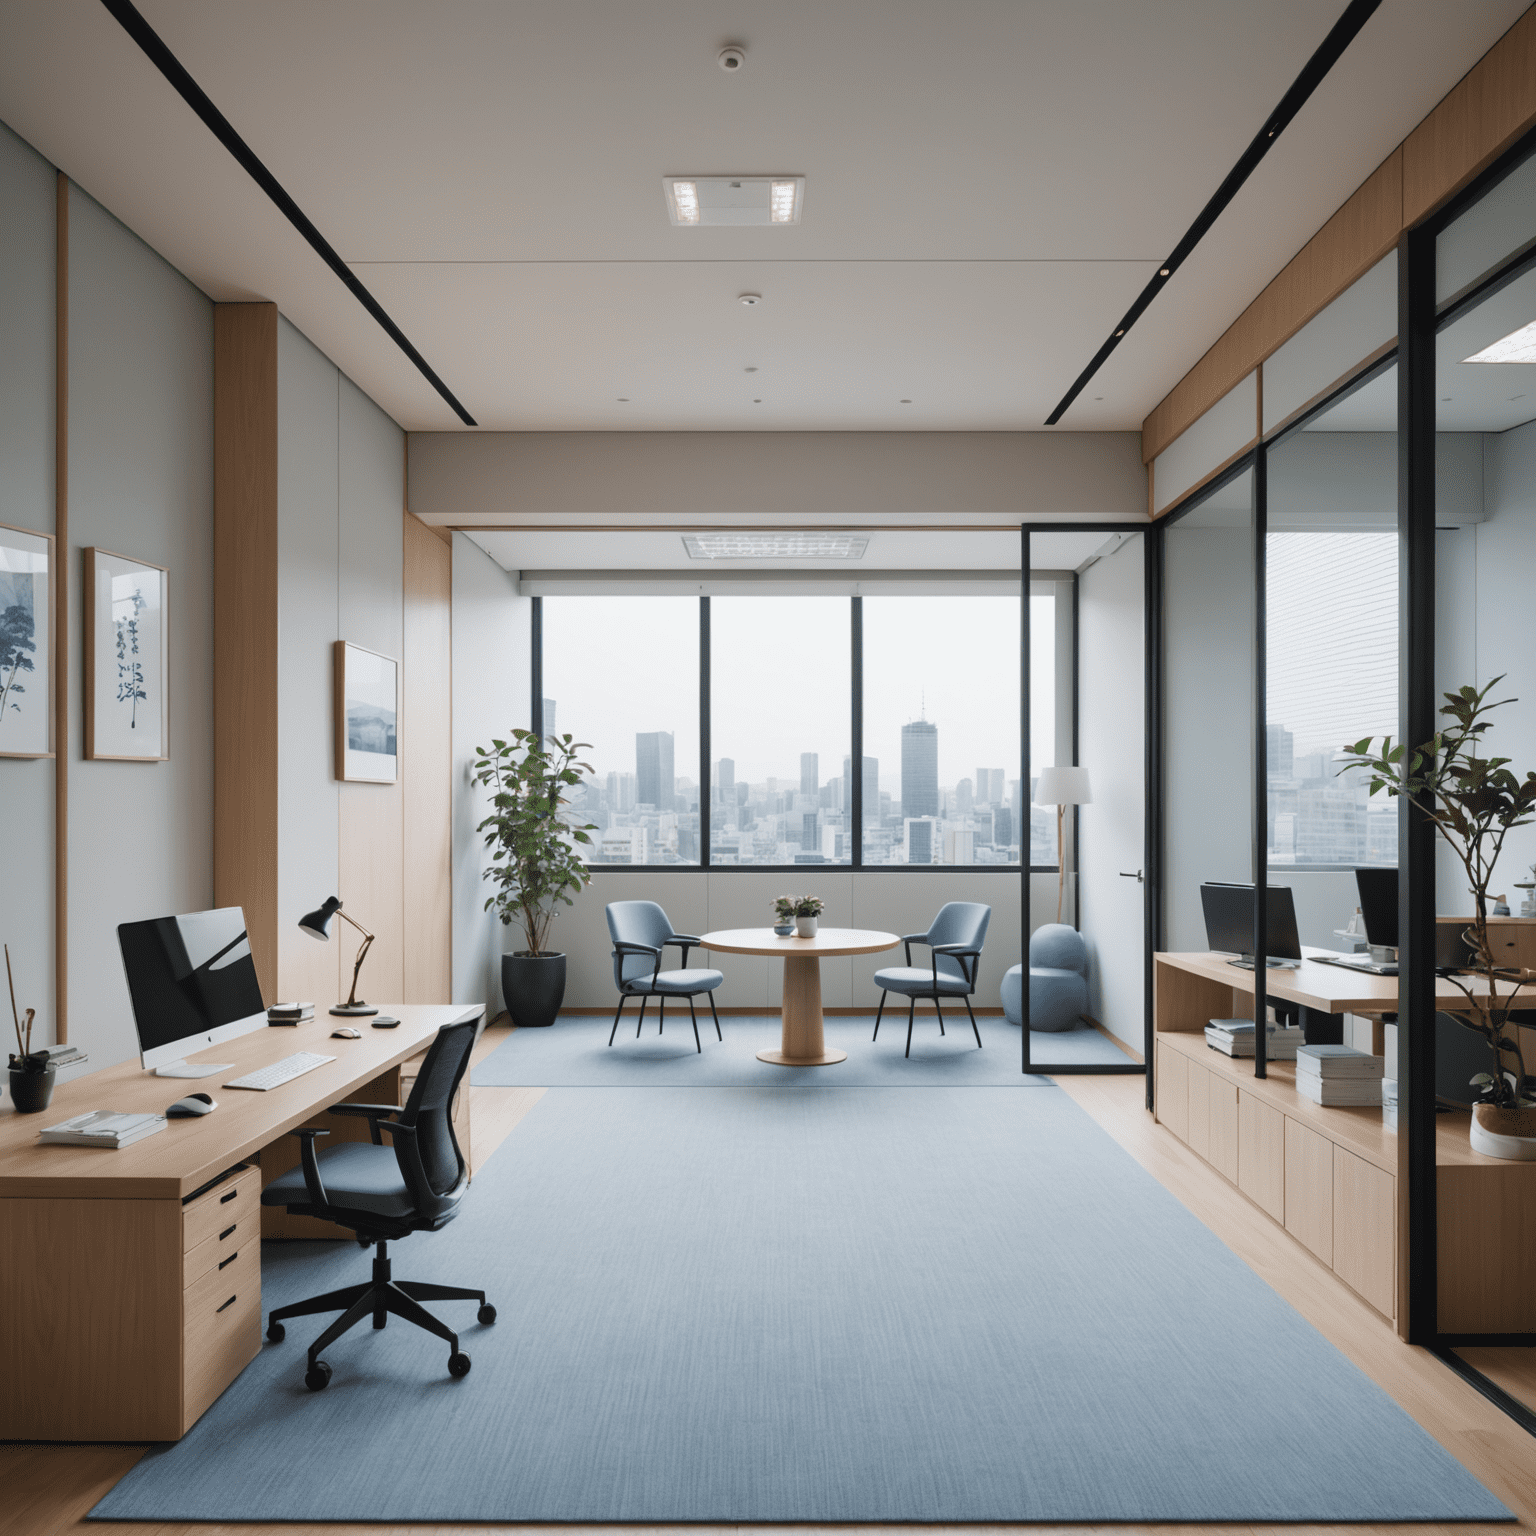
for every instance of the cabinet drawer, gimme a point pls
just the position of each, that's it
(221, 1328)
(1365, 1229)
(210, 1213)
(216, 1248)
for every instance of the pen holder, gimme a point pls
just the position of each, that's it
(31, 1083)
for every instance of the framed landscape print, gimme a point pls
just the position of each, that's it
(26, 643)
(127, 659)
(367, 698)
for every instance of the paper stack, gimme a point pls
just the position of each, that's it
(1234, 1037)
(1338, 1074)
(102, 1128)
(290, 1013)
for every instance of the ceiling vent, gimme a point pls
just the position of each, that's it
(696, 201)
(775, 546)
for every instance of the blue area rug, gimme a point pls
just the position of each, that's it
(574, 1053)
(857, 1305)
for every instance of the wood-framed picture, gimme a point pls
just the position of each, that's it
(127, 659)
(367, 706)
(26, 643)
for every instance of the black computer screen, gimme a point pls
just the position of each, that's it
(1229, 920)
(189, 975)
(1378, 905)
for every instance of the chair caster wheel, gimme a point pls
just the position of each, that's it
(486, 1314)
(458, 1365)
(276, 1333)
(318, 1377)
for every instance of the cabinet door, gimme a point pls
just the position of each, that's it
(1173, 1091)
(1365, 1229)
(1221, 1111)
(1261, 1154)
(1197, 1109)
(1309, 1188)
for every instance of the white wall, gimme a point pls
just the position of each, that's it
(491, 697)
(1111, 745)
(27, 501)
(140, 484)
(465, 478)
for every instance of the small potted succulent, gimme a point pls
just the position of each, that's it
(807, 910)
(784, 916)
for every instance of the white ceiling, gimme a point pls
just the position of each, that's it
(989, 183)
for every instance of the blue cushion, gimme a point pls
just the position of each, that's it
(911, 980)
(678, 983)
(357, 1175)
(1058, 947)
(1057, 998)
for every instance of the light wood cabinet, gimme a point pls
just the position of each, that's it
(1198, 1110)
(1365, 1229)
(1173, 1092)
(1221, 1101)
(1261, 1154)
(1309, 1180)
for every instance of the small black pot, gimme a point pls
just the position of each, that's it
(534, 988)
(30, 1089)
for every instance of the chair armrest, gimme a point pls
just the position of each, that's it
(914, 938)
(374, 1113)
(310, 1163)
(955, 949)
(622, 947)
(395, 1127)
(687, 940)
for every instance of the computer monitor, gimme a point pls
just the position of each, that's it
(1229, 921)
(1378, 906)
(193, 982)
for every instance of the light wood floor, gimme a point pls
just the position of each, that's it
(1512, 1369)
(46, 1490)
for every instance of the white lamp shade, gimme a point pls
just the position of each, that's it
(1063, 786)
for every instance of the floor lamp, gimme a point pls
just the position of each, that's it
(1061, 787)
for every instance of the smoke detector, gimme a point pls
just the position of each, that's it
(732, 59)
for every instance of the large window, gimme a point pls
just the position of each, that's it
(940, 777)
(622, 674)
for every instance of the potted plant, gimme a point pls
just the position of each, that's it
(535, 862)
(807, 910)
(1474, 802)
(784, 915)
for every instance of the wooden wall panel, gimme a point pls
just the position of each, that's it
(372, 875)
(426, 748)
(245, 622)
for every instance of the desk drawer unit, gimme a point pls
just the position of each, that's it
(221, 1296)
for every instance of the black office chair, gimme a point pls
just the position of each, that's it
(383, 1194)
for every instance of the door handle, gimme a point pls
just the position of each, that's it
(1132, 874)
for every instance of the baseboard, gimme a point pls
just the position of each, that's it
(768, 1010)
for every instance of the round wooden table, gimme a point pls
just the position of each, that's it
(802, 1043)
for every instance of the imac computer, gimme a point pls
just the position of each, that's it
(193, 983)
(1229, 923)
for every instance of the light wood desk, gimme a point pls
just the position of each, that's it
(132, 1279)
(1329, 1175)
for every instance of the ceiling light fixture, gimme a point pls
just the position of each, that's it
(1518, 347)
(749, 370)
(749, 299)
(734, 200)
(775, 546)
(732, 59)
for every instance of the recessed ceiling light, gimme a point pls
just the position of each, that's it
(750, 300)
(775, 546)
(732, 59)
(734, 200)
(749, 370)
(906, 402)
(623, 399)
(757, 402)
(1518, 347)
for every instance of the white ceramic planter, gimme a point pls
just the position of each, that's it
(806, 927)
(1515, 1149)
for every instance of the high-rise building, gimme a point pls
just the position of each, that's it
(809, 837)
(919, 769)
(810, 773)
(725, 777)
(1002, 827)
(965, 797)
(549, 720)
(620, 792)
(919, 837)
(959, 845)
(870, 788)
(1281, 746)
(657, 783)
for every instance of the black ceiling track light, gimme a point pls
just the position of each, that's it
(223, 130)
(1342, 34)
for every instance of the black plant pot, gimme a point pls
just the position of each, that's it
(534, 988)
(31, 1091)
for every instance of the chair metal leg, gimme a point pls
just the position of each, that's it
(424, 1290)
(911, 1009)
(412, 1311)
(645, 997)
(938, 1010)
(661, 1027)
(616, 1012)
(718, 1035)
(692, 1014)
(881, 1009)
(974, 1027)
(348, 1320)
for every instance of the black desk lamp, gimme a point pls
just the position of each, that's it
(317, 925)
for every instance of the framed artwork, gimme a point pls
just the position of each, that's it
(127, 659)
(26, 643)
(367, 700)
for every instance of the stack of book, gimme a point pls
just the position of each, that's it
(290, 1013)
(1234, 1037)
(1338, 1074)
(102, 1128)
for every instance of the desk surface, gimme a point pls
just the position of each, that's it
(188, 1153)
(827, 942)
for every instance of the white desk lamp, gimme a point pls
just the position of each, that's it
(1062, 786)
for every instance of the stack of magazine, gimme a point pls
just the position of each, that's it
(290, 1013)
(102, 1128)
(1338, 1074)
(1234, 1037)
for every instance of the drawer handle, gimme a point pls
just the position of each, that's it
(227, 1230)
(225, 1199)
(227, 1304)
(230, 1260)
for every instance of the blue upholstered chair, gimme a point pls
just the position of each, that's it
(640, 932)
(954, 953)
(1058, 980)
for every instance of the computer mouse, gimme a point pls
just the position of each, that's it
(193, 1104)
(346, 1034)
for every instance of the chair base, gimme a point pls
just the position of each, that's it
(377, 1299)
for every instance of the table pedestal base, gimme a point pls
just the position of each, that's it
(803, 1043)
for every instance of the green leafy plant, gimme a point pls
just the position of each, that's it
(1474, 802)
(808, 906)
(784, 908)
(535, 861)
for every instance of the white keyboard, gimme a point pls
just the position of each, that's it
(280, 1072)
